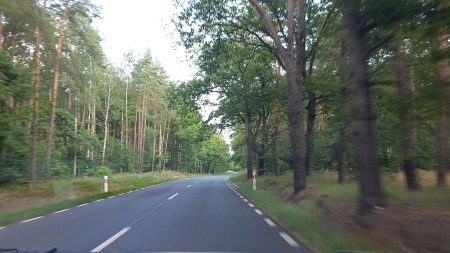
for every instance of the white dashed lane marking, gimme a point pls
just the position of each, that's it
(61, 211)
(251, 205)
(288, 239)
(31, 219)
(110, 240)
(82, 205)
(268, 221)
(173, 196)
(258, 211)
(188, 186)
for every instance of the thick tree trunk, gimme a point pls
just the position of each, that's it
(310, 127)
(442, 122)
(362, 119)
(406, 127)
(54, 95)
(261, 168)
(296, 124)
(36, 80)
(293, 59)
(276, 126)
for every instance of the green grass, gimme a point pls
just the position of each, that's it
(74, 192)
(305, 219)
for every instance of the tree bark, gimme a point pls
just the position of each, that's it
(276, 126)
(250, 153)
(54, 96)
(260, 164)
(293, 59)
(36, 80)
(106, 123)
(1, 32)
(442, 121)
(362, 119)
(93, 111)
(310, 130)
(406, 127)
(154, 143)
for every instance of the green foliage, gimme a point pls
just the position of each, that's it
(99, 171)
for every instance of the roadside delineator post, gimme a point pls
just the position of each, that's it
(254, 180)
(105, 184)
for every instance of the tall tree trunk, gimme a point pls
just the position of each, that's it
(406, 131)
(154, 143)
(276, 126)
(1, 32)
(250, 153)
(106, 123)
(36, 80)
(166, 140)
(160, 143)
(94, 114)
(260, 164)
(77, 112)
(341, 147)
(126, 116)
(310, 127)
(442, 122)
(293, 59)
(54, 96)
(362, 117)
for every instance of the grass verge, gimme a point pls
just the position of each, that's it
(305, 218)
(57, 195)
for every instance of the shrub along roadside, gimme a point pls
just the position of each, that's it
(304, 219)
(128, 183)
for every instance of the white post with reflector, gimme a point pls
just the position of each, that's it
(105, 184)
(254, 180)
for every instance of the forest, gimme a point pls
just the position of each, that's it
(358, 87)
(65, 110)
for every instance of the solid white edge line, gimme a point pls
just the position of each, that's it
(288, 239)
(82, 205)
(268, 221)
(110, 240)
(60, 211)
(173, 196)
(258, 211)
(251, 205)
(31, 219)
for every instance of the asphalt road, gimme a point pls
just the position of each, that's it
(189, 215)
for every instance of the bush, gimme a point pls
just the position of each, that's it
(8, 175)
(99, 171)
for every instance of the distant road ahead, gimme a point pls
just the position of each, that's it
(189, 215)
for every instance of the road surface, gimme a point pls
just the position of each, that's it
(190, 215)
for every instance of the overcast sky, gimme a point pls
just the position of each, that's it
(138, 25)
